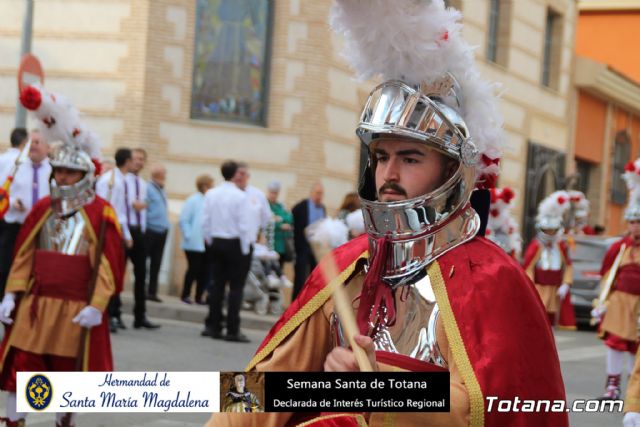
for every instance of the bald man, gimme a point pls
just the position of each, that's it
(30, 184)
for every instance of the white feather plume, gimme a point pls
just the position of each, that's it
(328, 232)
(59, 120)
(581, 204)
(355, 222)
(418, 41)
(632, 178)
(554, 205)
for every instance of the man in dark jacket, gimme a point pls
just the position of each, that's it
(305, 213)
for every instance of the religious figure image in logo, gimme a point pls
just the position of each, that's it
(239, 399)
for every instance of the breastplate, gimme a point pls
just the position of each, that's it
(68, 235)
(414, 332)
(550, 258)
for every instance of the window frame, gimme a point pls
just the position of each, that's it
(619, 158)
(265, 80)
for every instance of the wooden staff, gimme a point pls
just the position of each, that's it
(344, 310)
(94, 278)
(601, 301)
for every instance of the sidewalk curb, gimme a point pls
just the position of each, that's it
(174, 309)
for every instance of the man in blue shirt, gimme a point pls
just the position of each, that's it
(305, 213)
(157, 226)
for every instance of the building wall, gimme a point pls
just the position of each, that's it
(127, 65)
(610, 37)
(531, 111)
(598, 122)
(90, 51)
(607, 33)
(590, 128)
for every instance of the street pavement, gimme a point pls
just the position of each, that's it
(177, 346)
(582, 359)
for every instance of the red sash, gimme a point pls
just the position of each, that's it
(629, 279)
(548, 277)
(59, 276)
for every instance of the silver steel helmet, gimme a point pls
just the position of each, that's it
(67, 199)
(422, 228)
(552, 211)
(632, 212)
(548, 222)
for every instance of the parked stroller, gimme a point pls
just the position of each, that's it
(264, 281)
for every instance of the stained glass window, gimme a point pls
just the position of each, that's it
(230, 66)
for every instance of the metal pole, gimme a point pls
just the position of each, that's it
(27, 30)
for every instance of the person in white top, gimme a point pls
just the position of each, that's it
(30, 184)
(8, 158)
(137, 191)
(112, 189)
(226, 225)
(260, 212)
(111, 186)
(31, 181)
(136, 201)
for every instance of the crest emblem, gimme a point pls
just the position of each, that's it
(39, 392)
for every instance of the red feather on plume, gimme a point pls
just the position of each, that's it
(507, 195)
(629, 167)
(30, 98)
(487, 181)
(493, 192)
(98, 166)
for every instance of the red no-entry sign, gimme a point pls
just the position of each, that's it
(30, 72)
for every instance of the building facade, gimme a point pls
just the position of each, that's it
(138, 70)
(607, 78)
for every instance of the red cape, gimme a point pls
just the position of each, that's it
(612, 253)
(99, 355)
(494, 321)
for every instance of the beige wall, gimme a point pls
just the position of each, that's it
(531, 112)
(313, 107)
(127, 65)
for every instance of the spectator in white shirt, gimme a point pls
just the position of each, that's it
(226, 227)
(111, 187)
(136, 199)
(261, 214)
(30, 184)
(19, 138)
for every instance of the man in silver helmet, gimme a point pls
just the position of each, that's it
(618, 307)
(56, 288)
(548, 263)
(426, 292)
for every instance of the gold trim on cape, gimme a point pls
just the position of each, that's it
(476, 399)
(305, 312)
